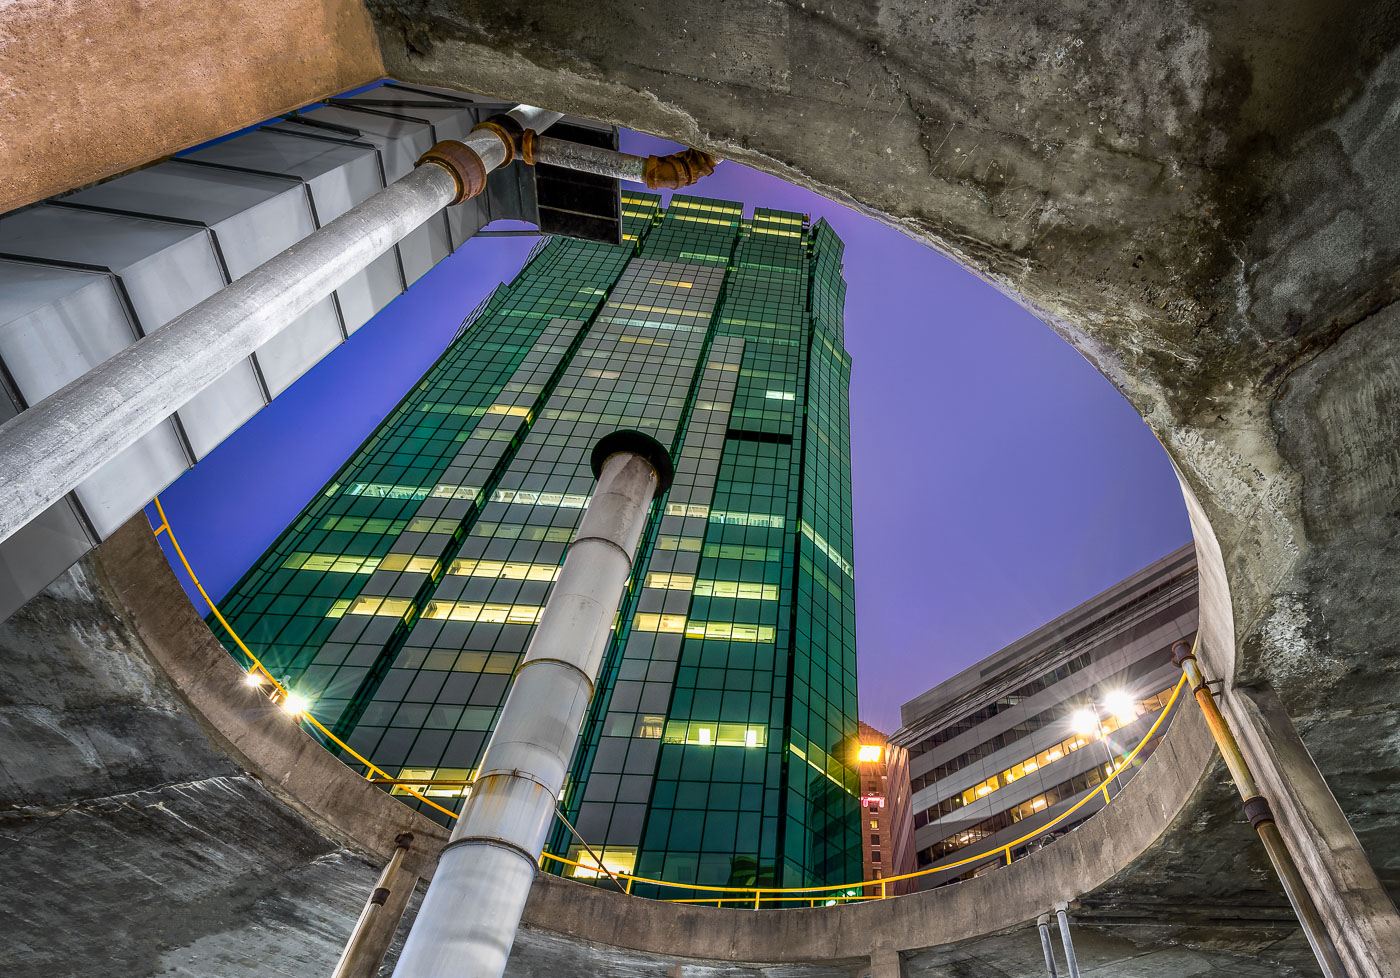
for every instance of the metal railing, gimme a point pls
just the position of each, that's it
(753, 897)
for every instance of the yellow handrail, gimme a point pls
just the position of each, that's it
(743, 893)
(263, 670)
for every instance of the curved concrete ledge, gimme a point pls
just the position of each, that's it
(354, 813)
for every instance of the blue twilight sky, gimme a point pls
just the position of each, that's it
(999, 479)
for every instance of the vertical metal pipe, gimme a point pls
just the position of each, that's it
(1042, 924)
(1261, 817)
(57, 443)
(469, 917)
(1071, 962)
(354, 960)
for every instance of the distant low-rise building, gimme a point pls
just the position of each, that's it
(887, 820)
(1009, 744)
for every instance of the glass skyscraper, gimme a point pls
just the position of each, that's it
(721, 744)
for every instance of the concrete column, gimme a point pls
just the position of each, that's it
(468, 920)
(886, 962)
(1358, 914)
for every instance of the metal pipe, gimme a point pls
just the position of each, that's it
(355, 959)
(468, 920)
(1261, 817)
(589, 159)
(57, 443)
(1071, 962)
(1042, 924)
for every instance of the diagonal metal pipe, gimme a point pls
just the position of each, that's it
(51, 448)
(467, 922)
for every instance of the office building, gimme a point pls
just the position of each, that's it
(1008, 744)
(721, 743)
(886, 818)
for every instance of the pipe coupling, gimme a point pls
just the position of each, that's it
(1181, 651)
(527, 147)
(677, 170)
(461, 161)
(1258, 812)
(507, 130)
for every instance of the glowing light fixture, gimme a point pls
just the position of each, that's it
(750, 738)
(1031, 766)
(1121, 705)
(705, 735)
(869, 752)
(1084, 722)
(1054, 755)
(294, 704)
(983, 790)
(254, 677)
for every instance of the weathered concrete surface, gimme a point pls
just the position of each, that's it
(239, 844)
(1200, 198)
(94, 88)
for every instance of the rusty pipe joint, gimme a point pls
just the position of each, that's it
(464, 163)
(677, 170)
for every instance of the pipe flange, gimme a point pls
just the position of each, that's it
(507, 130)
(460, 160)
(1258, 812)
(638, 443)
(527, 146)
(1181, 651)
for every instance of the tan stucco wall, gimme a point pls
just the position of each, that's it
(97, 87)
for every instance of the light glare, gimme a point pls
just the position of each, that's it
(254, 678)
(294, 704)
(1084, 721)
(869, 752)
(1121, 705)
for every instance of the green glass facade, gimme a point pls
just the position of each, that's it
(720, 746)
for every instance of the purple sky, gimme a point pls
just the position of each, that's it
(999, 480)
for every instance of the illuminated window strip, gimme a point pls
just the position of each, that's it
(387, 490)
(687, 509)
(778, 219)
(518, 570)
(690, 205)
(701, 733)
(740, 551)
(831, 552)
(665, 310)
(722, 630)
(476, 611)
(671, 282)
(746, 519)
(330, 563)
(670, 582)
(780, 395)
(379, 606)
(744, 590)
(776, 231)
(691, 544)
(410, 563)
(510, 410)
(437, 407)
